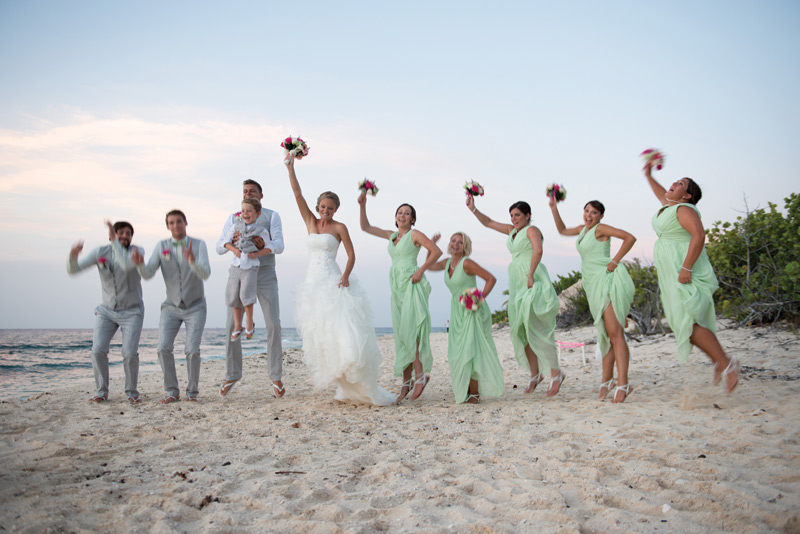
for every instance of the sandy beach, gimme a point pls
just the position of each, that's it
(678, 456)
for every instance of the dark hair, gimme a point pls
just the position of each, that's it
(413, 213)
(693, 189)
(329, 195)
(123, 224)
(253, 182)
(175, 212)
(522, 206)
(253, 202)
(596, 204)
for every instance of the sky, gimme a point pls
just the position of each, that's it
(125, 110)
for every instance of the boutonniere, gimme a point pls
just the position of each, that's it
(237, 215)
(102, 262)
(166, 255)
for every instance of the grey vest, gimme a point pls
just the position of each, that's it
(184, 288)
(121, 290)
(264, 220)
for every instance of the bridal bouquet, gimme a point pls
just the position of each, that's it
(294, 146)
(471, 299)
(473, 188)
(556, 190)
(653, 156)
(368, 186)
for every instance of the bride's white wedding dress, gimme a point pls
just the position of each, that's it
(339, 342)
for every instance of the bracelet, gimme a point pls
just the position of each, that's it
(474, 210)
(685, 269)
(615, 263)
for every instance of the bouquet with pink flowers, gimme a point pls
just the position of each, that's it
(557, 191)
(368, 186)
(294, 146)
(473, 188)
(471, 299)
(653, 156)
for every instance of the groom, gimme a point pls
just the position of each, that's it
(267, 296)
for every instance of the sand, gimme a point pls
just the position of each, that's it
(679, 456)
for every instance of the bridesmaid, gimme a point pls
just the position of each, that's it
(474, 366)
(411, 318)
(608, 287)
(532, 301)
(685, 276)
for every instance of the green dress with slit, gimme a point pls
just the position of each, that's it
(471, 352)
(684, 304)
(411, 319)
(531, 311)
(603, 287)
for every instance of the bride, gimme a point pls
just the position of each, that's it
(332, 312)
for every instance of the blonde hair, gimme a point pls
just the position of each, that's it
(331, 195)
(467, 242)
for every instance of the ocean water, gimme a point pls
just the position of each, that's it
(35, 361)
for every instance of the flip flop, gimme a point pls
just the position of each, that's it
(169, 399)
(278, 392)
(98, 399)
(226, 387)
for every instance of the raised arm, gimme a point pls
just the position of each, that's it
(535, 237)
(365, 225)
(434, 252)
(473, 269)
(305, 212)
(486, 220)
(560, 226)
(690, 220)
(441, 264)
(658, 189)
(603, 230)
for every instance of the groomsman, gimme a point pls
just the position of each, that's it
(122, 308)
(184, 265)
(267, 296)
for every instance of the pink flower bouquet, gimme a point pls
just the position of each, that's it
(473, 188)
(368, 186)
(557, 191)
(294, 146)
(471, 299)
(653, 156)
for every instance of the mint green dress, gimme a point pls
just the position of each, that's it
(684, 304)
(470, 347)
(411, 319)
(531, 311)
(602, 287)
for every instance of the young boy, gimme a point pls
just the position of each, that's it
(241, 291)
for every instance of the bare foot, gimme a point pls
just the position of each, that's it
(533, 382)
(555, 384)
(419, 386)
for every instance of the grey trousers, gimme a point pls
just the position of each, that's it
(268, 298)
(171, 318)
(106, 323)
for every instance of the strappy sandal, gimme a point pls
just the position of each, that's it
(534, 381)
(733, 368)
(627, 389)
(476, 398)
(609, 385)
(226, 387)
(560, 377)
(408, 384)
(424, 379)
(169, 399)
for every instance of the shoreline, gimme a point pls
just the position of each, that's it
(679, 455)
